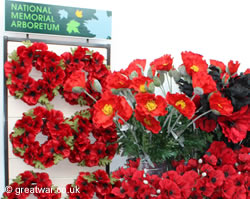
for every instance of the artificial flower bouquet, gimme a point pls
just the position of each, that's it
(156, 123)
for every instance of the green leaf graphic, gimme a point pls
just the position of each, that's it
(73, 26)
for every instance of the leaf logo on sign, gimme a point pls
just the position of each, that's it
(73, 26)
(79, 13)
(63, 14)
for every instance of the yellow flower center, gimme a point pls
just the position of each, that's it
(121, 82)
(219, 105)
(151, 105)
(165, 64)
(107, 109)
(142, 88)
(195, 68)
(147, 122)
(181, 103)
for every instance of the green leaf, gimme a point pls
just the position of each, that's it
(104, 161)
(142, 70)
(43, 99)
(157, 81)
(55, 91)
(133, 75)
(82, 163)
(54, 188)
(30, 113)
(18, 180)
(34, 174)
(5, 197)
(219, 134)
(18, 132)
(90, 178)
(38, 164)
(27, 43)
(115, 91)
(113, 180)
(150, 73)
(9, 82)
(73, 50)
(14, 56)
(19, 94)
(84, 113)
(90, 52)
(151, 88)
(73, 124)
(97, 86)
(57, 158)
(62, 64)
(69, 141)
(81, 101)
(19, 150)
(49, 106)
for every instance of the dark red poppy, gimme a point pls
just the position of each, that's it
(233, 67)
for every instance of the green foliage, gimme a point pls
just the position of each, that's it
(82, 163)
(62, 64)
(30, 113)
(38, 164)
(90, 178)
(55, 91)
(18, 180)
(104, 161)
(163, 146)
(81, 101)
(57, 158)
(27, 43)
(20, 150)
(18, 132)
(19, 94)
(113, 180)
(9, 82)
(69, 141)
(14, 56)
(45, 101)
(73, 124)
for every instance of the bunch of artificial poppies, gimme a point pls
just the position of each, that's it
(28, 183)
(92, 146)
(51, 124)
(146, 110)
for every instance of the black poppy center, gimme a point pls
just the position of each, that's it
(226, 174)
(30, 54)
(33, 93)
(61, 148)
(51, 69)
(122, 190)
(76, 60)
(203, 188)
(213, 180)
(230, 123)
(56, 127)
(19, 76)
(170, 192)
(52, 150)
(68, 61)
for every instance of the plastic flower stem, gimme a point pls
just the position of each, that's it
(195, 120)
(168, 117)
(176, 121)
(169, 86)
(163, 90)
(90, 95)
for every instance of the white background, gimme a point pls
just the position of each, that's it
(217, 29)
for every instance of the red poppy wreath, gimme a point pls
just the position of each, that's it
(83, 69)
(90, 151)
(28, 183)
(49, 123)
(24, 87)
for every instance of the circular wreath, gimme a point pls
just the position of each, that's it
(24, 87)
(49, 123)
(28, 183)
(92, 146)
(89, 65)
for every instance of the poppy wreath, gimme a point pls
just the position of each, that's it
(88, 184)
(83, 68)
(29, 182)
(220, 173)
(24, 87)
(92, 146)
(49, 123)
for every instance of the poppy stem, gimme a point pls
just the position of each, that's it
(90, 95)
(193, 121)
(168, 117)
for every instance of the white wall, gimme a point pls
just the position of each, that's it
(148, 29)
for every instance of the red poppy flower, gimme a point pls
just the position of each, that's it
(182, 103)
(205, 82)
(138, 83)
(76, 79)
(137, 65)
(233, 67)
(164, 63)
(149, 122)
(206, 124)
(101, 176)
(204, 187)
(194, 63)
(149, 104)
(116, 80)
(220, 104)
(124, 109)
(218, 64)
(216, 178)
(111, 150)
(247, 71)
(31, 97)
(236, 126)
(169, 188)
